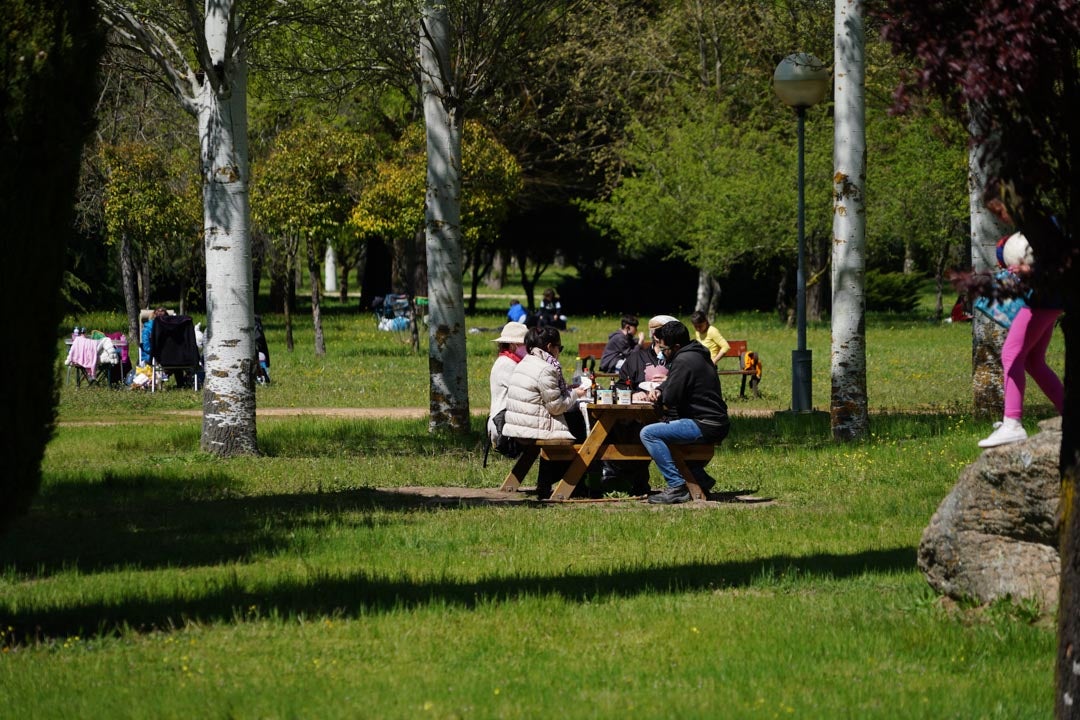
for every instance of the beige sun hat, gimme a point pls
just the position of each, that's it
(513, 332)
(659, 321)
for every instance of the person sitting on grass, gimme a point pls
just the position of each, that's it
(550, 312)
(692, 409)
(620, 344)
(517, 312)
(709, 336)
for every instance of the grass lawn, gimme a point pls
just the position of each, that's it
(151, 580)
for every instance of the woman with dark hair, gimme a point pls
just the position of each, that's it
(540, 405)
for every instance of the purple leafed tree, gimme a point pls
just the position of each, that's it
(1008, 70)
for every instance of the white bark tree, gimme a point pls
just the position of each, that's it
(987, 337)
(330, 270)
(216, 95)
(447, 359)
(850, 418)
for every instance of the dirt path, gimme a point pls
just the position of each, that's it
(404, 413)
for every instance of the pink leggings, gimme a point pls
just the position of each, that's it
(1025, 352)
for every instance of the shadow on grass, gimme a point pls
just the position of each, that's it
(361, 594)
(366, 438)
(148, 522)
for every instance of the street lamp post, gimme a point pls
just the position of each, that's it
(801, 81)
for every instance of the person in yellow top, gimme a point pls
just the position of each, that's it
(709, 336)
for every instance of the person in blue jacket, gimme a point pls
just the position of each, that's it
(147, 332)
(517, 313)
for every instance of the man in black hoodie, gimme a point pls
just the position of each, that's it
(692, 408)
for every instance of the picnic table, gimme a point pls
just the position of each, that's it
(604, 420)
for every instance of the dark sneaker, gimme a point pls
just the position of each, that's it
(671, 496)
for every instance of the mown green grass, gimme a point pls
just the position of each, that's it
(151, 580)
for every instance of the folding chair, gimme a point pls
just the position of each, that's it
(92, 359)
(173, 348)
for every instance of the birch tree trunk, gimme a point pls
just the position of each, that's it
(447, 359)
(216, 95)
(229, 398)
(987, 337)
(850, 419)
(330, 271)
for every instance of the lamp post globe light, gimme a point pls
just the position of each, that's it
(801, 81)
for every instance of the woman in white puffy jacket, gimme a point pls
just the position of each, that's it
(540, 405)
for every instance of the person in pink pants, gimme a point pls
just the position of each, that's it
(1024, 352)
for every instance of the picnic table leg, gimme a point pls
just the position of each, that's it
(520, 469)
(584, 457)
(742, 389)
(696, 493)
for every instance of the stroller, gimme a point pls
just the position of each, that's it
(393, 312)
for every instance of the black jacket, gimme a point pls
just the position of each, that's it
(619, 346)
(692, 390)
(634, 367)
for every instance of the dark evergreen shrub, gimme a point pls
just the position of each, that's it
(50, 51)
(892, 291)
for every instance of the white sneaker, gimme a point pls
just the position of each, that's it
(1004, 435)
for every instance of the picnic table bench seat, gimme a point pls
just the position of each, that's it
(569, 450)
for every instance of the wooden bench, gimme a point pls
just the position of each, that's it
(737, 351)
(589, 354)
(566, 450)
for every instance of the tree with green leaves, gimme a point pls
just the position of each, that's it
(49, 50)
(150, 209)
(391, 205)
(454, 59)
(693, 171)
(306, 189)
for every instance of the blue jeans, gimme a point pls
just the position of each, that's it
(658, 436)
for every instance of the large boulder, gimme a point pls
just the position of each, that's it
(996, 534)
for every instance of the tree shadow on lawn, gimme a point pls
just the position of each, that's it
(361, 594)
(147, 522)
(143, 521)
